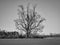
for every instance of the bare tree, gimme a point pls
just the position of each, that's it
(29, 20)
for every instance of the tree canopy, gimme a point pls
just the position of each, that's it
(29, 20)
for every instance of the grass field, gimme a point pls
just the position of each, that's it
(30, 41)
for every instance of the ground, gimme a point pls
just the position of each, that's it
(55, 41)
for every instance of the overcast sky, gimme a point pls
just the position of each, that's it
(49, 9)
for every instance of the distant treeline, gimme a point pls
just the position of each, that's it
(13, 35)
(4, 34)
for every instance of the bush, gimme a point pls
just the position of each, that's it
(4, 34)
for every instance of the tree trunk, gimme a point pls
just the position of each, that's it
(28, 34)
(28, 31)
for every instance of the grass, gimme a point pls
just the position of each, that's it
(30, 41)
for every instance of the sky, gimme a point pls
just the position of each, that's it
(49, 9)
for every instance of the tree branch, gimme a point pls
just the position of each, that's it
(38, 23)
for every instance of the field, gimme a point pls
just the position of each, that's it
(30, 41)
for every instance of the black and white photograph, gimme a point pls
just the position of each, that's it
(29, 22)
